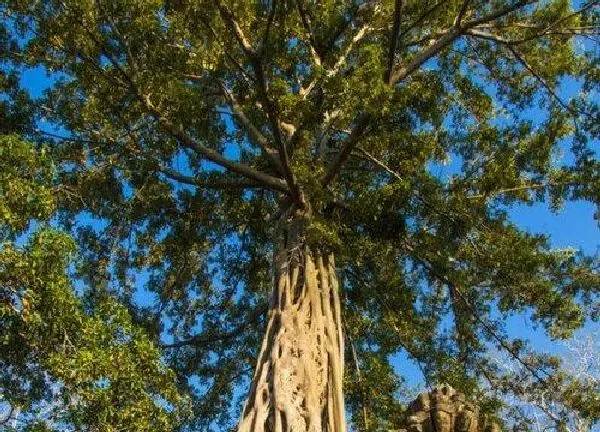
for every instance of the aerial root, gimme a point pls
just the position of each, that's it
(297, 384)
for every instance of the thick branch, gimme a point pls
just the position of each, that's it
(274, 121)
(178, 133)
(244, 170)
(254, 133)
(357, 133)
(404, 71)
(393, 40)
(450, 36)
(261, 85)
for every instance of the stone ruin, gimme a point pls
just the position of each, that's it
(445, 410)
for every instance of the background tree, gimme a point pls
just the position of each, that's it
(214, 157)
(533, 408)
(64, 359)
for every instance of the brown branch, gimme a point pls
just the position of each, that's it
(208, 183)
(500, 13)
(404, 71)
(565, 32)
(238, 168)
(271, 111)
(199, 340)
(540, 79)
(421, 18)
(342, 59)
(355, 136)
(448, 37)
(281, 146)
(393, 40)
(270, 18)
(254, 133)
(312, 42)
(263, 179)
(547, 30)
(461, 13)
(178, 133)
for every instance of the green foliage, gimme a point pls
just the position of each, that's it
(25, 184)
(63, 360)
(88, 368)
(171, 178)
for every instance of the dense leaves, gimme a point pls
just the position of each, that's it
(65, 363)
(187, 128)
(63, 359)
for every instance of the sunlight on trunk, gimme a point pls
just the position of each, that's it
(297, 384)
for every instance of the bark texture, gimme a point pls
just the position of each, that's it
(297, 384)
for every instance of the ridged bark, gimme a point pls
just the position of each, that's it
(297, 384)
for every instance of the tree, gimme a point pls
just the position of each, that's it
(217, 156)
(64, 359)
(532, 403)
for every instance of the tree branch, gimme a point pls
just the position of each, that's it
(178, 133)
(488, 328)
(254, 133)
(500, 13)
(304, 92)
(421, 18)
(368, 156)
(450, 36)
(403, 72)
(356, 134)
(208, 183)
(221, 337)
(461, 13)
(446, 39)
(271, 111)
(312, 42)
(270, 18)
(517, 55)
(237, 29)
(244, 170)
(547, 30)
(393, 40)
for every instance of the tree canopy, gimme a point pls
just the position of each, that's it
(141, 198)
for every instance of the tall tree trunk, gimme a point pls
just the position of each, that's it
(297, 384)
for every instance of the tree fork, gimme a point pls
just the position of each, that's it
(297, 383)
